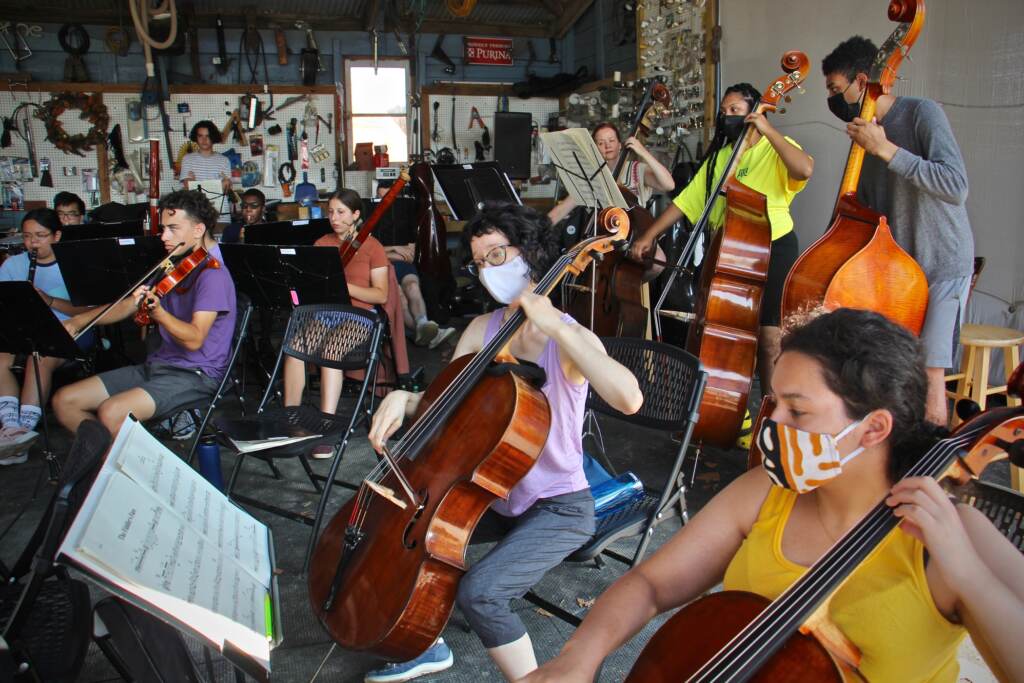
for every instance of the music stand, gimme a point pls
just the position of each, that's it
(99, 271)
(288, 232)
(286, 276)
(466, 186)
(32, 328)
(96, 231)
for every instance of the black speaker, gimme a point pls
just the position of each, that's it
(512, 138)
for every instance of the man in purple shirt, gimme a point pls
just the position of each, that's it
(196, 321)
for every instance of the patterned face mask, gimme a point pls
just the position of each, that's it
(799, 460)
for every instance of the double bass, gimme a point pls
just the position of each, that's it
(609, 297)
(857, 263)
(740, 636)
(727, 310)
(431, 244)
(384, 573)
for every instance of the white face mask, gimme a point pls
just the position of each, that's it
(507, 281)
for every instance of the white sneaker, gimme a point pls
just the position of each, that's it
(442, 336)
(426, 332)
(15, 443)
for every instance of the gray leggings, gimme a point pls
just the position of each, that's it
(531, 544)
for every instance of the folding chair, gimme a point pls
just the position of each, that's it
(672, 382)
(332, 336)
(44, 613)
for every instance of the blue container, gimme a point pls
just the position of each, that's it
(209, 463)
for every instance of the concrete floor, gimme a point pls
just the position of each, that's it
(25, 492)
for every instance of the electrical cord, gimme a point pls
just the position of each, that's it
(141, 13)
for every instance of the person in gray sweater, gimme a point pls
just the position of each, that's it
(914, 174)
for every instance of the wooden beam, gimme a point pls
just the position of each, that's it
(469, 27)
(370, 17)
(574, 10)
(184, 89)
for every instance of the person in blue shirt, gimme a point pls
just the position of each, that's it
(21, 408)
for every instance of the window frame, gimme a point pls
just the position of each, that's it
(383, 62)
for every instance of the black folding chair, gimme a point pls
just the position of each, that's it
(672, 382)
(333, 336)
(44, 613)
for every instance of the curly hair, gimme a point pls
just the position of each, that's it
(211, 129)
(525, 229)
(851, 57)
(872, 363)
(47, 218)
(349, 198)
(195, 205)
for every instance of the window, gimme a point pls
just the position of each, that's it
(379, 106)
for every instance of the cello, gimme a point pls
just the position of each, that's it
(739, 636)
(431, 257)
(727, 310)
(384, 573)
(613, 304)
(857, 263)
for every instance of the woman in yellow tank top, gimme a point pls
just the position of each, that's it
(854, 384)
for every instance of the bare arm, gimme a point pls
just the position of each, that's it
(561, 209)
(588, 360)
(656, 176)
(377, 292)
(692, 562)
(799, 163)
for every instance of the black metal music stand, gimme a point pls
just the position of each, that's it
(98, 231)
(466, 186)
(99, 271)
(32, 328)
(287, 276)
(288, 232)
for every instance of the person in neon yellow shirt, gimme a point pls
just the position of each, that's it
(773, 165)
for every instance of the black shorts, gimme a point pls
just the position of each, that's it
(785, 251)
(403, 269)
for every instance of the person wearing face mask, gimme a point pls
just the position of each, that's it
(367, 278)
(773, 165)
(914, 174)
(550, 512)
(855, 383)
(643, 174)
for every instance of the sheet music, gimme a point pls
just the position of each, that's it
(577, 159)
(144, 459)
(155, 553)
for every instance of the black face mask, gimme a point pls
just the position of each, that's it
(730, 125)
(844, 110)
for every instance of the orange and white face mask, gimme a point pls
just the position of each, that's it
(799, 460)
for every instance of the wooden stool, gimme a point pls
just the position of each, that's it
(972, 380)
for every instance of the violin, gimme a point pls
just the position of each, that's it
(727, 310)
(857, 263)
(739, 636)
(384, 573)
(351, 246)
(198, 259)
(613, 303)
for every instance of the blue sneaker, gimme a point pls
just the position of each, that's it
(438, 657)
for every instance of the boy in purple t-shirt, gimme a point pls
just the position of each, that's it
(196, 321)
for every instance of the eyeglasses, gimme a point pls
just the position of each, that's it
(38, 236)
(495, 256)
(251, 205)
(68, 214)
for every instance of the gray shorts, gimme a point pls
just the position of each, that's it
(947, 304)
(169, 386)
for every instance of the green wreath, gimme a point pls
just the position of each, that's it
(93, 111)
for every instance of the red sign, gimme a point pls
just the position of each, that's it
(493, 51)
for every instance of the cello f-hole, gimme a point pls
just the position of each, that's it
(407, 541)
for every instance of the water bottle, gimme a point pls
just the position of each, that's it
(209, 462)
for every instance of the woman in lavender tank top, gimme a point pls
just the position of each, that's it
(550, 513)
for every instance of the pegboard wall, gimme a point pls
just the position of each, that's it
(440, 120)
(201, 106)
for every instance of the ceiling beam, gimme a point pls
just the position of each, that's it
(573, 11)
(469, 27)
(370, 17)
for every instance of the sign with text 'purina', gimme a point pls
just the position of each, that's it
(492, 51)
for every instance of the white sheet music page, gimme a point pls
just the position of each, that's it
(579, 165)
(143, 458)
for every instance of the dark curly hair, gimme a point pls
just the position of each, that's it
(47, 218)
(195, 204)
(525, 228)
(872, 363)
(851, 57)
(210, 127)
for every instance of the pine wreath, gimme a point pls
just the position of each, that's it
(93, 111)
